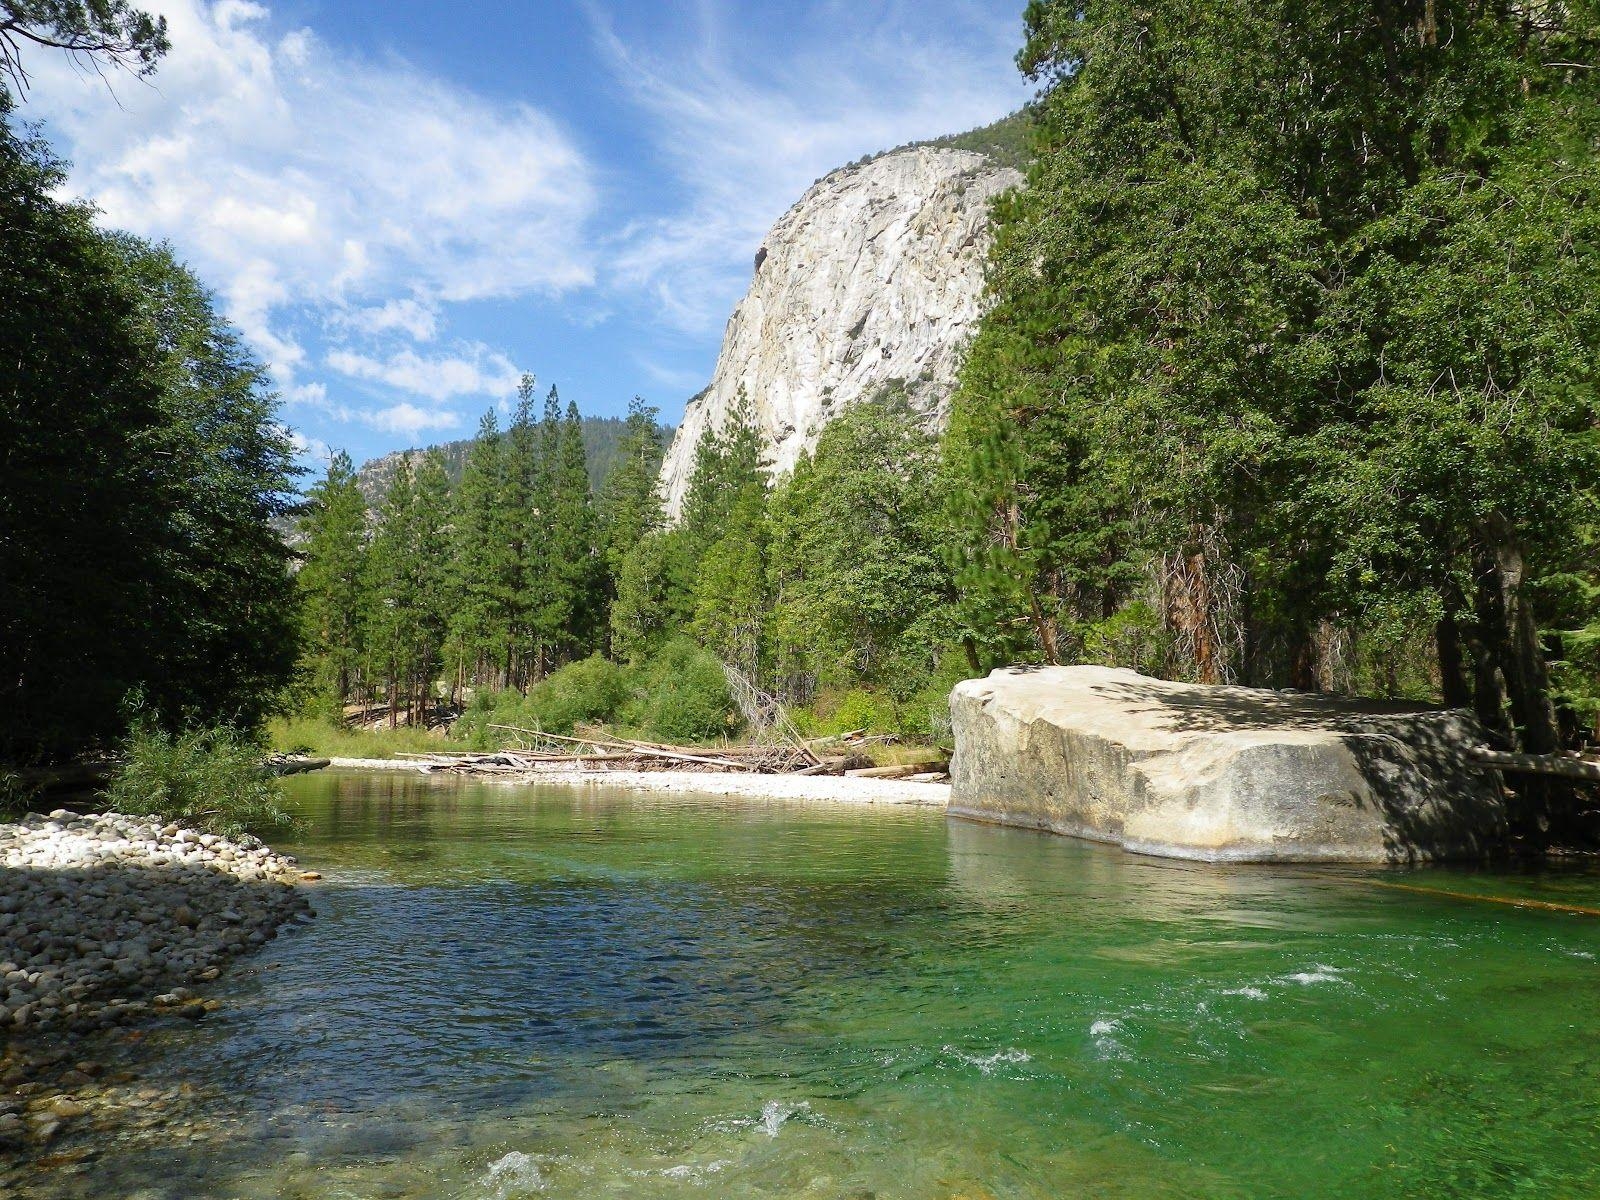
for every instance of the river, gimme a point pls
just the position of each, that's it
(583, 993)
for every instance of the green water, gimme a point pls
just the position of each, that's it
(518, 992)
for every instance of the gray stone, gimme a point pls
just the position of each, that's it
(1219, 773)
(875, 275)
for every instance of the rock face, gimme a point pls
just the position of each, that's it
(1219, 773)
(874, 277)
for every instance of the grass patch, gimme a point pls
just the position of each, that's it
(210, 779)
(325, 739)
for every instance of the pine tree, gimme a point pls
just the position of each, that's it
(393, 590)
(575, 542)
(331, 582)
(480, 618)
(431, 536)
(630, 505)
(724, 541)
(522, 486)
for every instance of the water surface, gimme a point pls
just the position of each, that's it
(516, 992)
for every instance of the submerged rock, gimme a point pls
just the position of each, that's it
(1220, 773)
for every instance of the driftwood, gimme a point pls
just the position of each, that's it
(900, 771)
(1562, 766)
(540, 750)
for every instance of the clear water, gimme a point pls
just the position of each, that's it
(528, 992)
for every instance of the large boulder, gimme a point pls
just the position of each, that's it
(1220, 773)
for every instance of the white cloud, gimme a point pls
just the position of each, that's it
(409, 420)
(747, 127)
(475, 371)
(415, 318)
(294, 176)
(309, 451)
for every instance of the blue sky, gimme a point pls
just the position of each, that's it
(404, 205)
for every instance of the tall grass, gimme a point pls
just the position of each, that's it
(321, 736)
(210, 778)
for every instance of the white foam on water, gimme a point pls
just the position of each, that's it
(986, 1063)
(1319, 973)
(775, 1114)
(1249, 993)
(514, 1174)
(1106, 1045)
(694, 1173)
(1585, 954)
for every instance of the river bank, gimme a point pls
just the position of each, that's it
(107, 920)
(825, 789)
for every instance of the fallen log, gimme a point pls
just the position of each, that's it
(1560, 765)
(900, 771)
(836, 765)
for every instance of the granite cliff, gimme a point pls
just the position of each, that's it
(874, 279)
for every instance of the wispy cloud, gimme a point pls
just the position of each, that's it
(410, 421)
(299, 178)
(747, 118)
(417, 319)
(475, 370)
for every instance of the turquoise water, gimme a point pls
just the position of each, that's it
(544, 992)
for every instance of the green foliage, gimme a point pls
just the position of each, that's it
(1008, 141)
(860, 590)
(1269, 407)
(484, 562)
(591, 691)
(848, 711)
(683, 696)
(208, 778)
(330, 738)
(330, 583)
(629, 506)
(108, 33)
(654, 594)
(144, 468)
(724, 540)
(408, 588)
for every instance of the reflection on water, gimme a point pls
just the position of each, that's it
(517, 992)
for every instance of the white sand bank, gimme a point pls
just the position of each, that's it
(830, 789)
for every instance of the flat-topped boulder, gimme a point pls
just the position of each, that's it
(1220, 773)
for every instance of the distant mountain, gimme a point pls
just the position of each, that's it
(602, 437)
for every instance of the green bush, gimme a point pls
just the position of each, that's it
(593, 690)
(683, 696)
(488, 709)
(210, 778)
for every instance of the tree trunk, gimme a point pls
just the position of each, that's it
(1452, 670)
(1522, 668)
(1511, 676)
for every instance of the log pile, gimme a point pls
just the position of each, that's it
(537, 751)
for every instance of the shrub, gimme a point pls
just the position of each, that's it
(592, 690)
(209, 778)
(489, 709)
(684, 696)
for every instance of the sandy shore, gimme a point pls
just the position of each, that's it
(828, 789)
